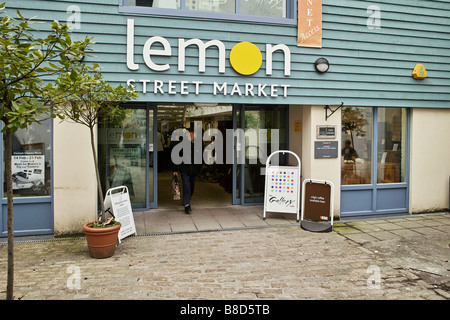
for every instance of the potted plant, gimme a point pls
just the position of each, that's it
(88, 98)
(101, 237)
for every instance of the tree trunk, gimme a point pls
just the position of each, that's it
(97, 173)
(351, 135)
(9, 195)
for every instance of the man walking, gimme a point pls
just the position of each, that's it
(189, 169)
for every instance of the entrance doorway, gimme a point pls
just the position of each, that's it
(213, 186)
(256, 131)
(136, 151)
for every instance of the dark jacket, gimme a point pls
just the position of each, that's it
(192, 169)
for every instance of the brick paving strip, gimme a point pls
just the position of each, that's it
(376, 259)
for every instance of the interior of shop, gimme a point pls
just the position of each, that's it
(213, 185)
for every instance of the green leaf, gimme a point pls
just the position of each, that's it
(73, 75)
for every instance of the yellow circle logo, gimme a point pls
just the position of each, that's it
(245, 58)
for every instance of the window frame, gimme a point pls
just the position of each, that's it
(291, 13)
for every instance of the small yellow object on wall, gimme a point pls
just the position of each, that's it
(419, 72)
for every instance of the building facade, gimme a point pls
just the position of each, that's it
(375, 122)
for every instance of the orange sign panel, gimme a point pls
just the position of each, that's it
(309, 23)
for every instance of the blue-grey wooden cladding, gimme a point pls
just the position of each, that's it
(368, 66)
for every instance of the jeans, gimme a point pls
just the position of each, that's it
(188, 188)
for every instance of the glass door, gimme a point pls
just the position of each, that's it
(259, 131)
(126, 154)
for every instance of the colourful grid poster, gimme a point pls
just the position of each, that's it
(282, 188)
(282, 181)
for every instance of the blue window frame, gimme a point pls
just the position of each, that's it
(265, 11)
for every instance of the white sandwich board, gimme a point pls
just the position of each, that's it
(117, 203)
(282, 188)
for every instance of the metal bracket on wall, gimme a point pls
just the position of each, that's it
(332, 111)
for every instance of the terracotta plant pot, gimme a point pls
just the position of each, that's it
(101, 241)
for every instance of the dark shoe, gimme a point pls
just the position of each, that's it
(187, 209)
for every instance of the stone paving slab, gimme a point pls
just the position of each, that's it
(266, 263)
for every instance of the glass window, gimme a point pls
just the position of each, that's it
(31, 161)
(263, 8)
(356, 145)
(271, 8)
(391, 157)
(167, 4)
(122, 155)
(262, 127)
(358, 139)
(228, 6)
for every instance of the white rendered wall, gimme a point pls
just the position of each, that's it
(75, 188)
(430, 160)
(321, 169)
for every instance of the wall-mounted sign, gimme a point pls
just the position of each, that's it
(325, 149)
(326, 132)
(245, 58)
(309, 23)
(419, 72)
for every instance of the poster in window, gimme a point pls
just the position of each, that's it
(28, 170)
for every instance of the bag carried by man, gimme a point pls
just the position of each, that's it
(175, 188)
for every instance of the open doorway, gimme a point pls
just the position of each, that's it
(213, 185)
(128, 150)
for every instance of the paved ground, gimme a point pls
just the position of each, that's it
(396, 258)
(208, 218)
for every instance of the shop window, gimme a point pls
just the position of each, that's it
(122, 155)
(391, 145)
(240, 9)
(31, 161)
(356, 152)
(374, 141)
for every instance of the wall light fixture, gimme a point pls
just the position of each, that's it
(322, 65)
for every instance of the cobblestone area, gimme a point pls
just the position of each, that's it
(376, 259)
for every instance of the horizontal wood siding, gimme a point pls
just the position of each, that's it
(367, 67)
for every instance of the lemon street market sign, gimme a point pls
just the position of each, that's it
(245, 58)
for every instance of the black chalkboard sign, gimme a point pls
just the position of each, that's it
(317, 205)
(325, 149)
